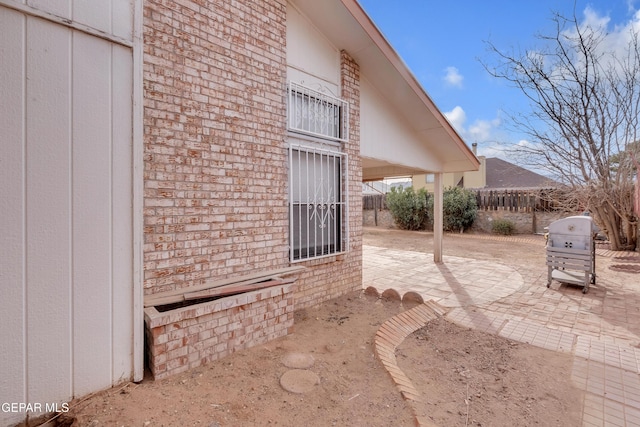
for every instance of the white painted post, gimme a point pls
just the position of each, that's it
(138, 194)
(437, 217)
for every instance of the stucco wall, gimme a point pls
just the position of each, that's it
(381, 125)
(378, 218)
(526, 223)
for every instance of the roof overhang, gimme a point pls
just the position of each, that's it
(346, 25)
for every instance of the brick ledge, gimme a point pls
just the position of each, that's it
(391, 334)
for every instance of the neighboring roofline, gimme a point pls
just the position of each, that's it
(500, 171)
(392, 56)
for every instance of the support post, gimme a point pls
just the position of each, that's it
(437, 217)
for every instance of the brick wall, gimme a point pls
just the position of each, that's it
(215, 177)
(331, 277)
(216, 174)
(215, 154)
(188, 337)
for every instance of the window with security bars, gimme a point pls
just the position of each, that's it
(318, 203)
(315, 113)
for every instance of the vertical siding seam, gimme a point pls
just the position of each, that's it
(71, 217)
(25, 317)
(111, 215)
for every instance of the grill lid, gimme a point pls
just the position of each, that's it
(578, 225)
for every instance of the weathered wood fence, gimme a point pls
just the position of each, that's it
(374, 201)
(513, 200)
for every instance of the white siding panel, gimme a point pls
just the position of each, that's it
(122, 19)
(384, 135)
(310, 52)
(92, 312)
(111, 17)
(57, 7)
(66, 271)
(12, 249)
(96, 14)
(122, 214)
(48, 198)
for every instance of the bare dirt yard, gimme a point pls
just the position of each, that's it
(465, 377)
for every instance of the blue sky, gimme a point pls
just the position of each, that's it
(443, 43)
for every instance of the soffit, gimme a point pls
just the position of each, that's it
(345, 24)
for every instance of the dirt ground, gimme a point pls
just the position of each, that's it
(475, 379)
(464, 376)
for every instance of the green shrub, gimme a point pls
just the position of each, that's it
(503, 226)
(413, 210)
(459, 207)
(410, 210)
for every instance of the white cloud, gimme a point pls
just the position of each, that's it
(478, 131)
(525, 143)
(483, 132)
(493, 150)
(617, 37)
(453, 77)
(456, 117)
(592, 19)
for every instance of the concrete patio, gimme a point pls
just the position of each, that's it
(601, 328)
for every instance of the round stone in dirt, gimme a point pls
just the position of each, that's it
(372, 292)
(298, 360)
(299, 381)
(411, 299)
(391, 295)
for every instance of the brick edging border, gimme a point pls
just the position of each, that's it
(391, 334)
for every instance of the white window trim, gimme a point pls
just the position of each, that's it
(294, 90)
(343, 223)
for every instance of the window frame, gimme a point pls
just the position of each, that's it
(340, 205)
(310, 105)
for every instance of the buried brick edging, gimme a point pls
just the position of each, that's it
(187, 337)
(391, 334)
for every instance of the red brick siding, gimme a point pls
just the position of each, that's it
(186, 338)
(215, 159)
(216, 169)
(216, 177)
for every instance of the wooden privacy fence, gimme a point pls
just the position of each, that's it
(514, 200)
(374, 201)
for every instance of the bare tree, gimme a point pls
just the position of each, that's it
(583, 125)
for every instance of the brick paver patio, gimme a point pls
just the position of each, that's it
(601, 328)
